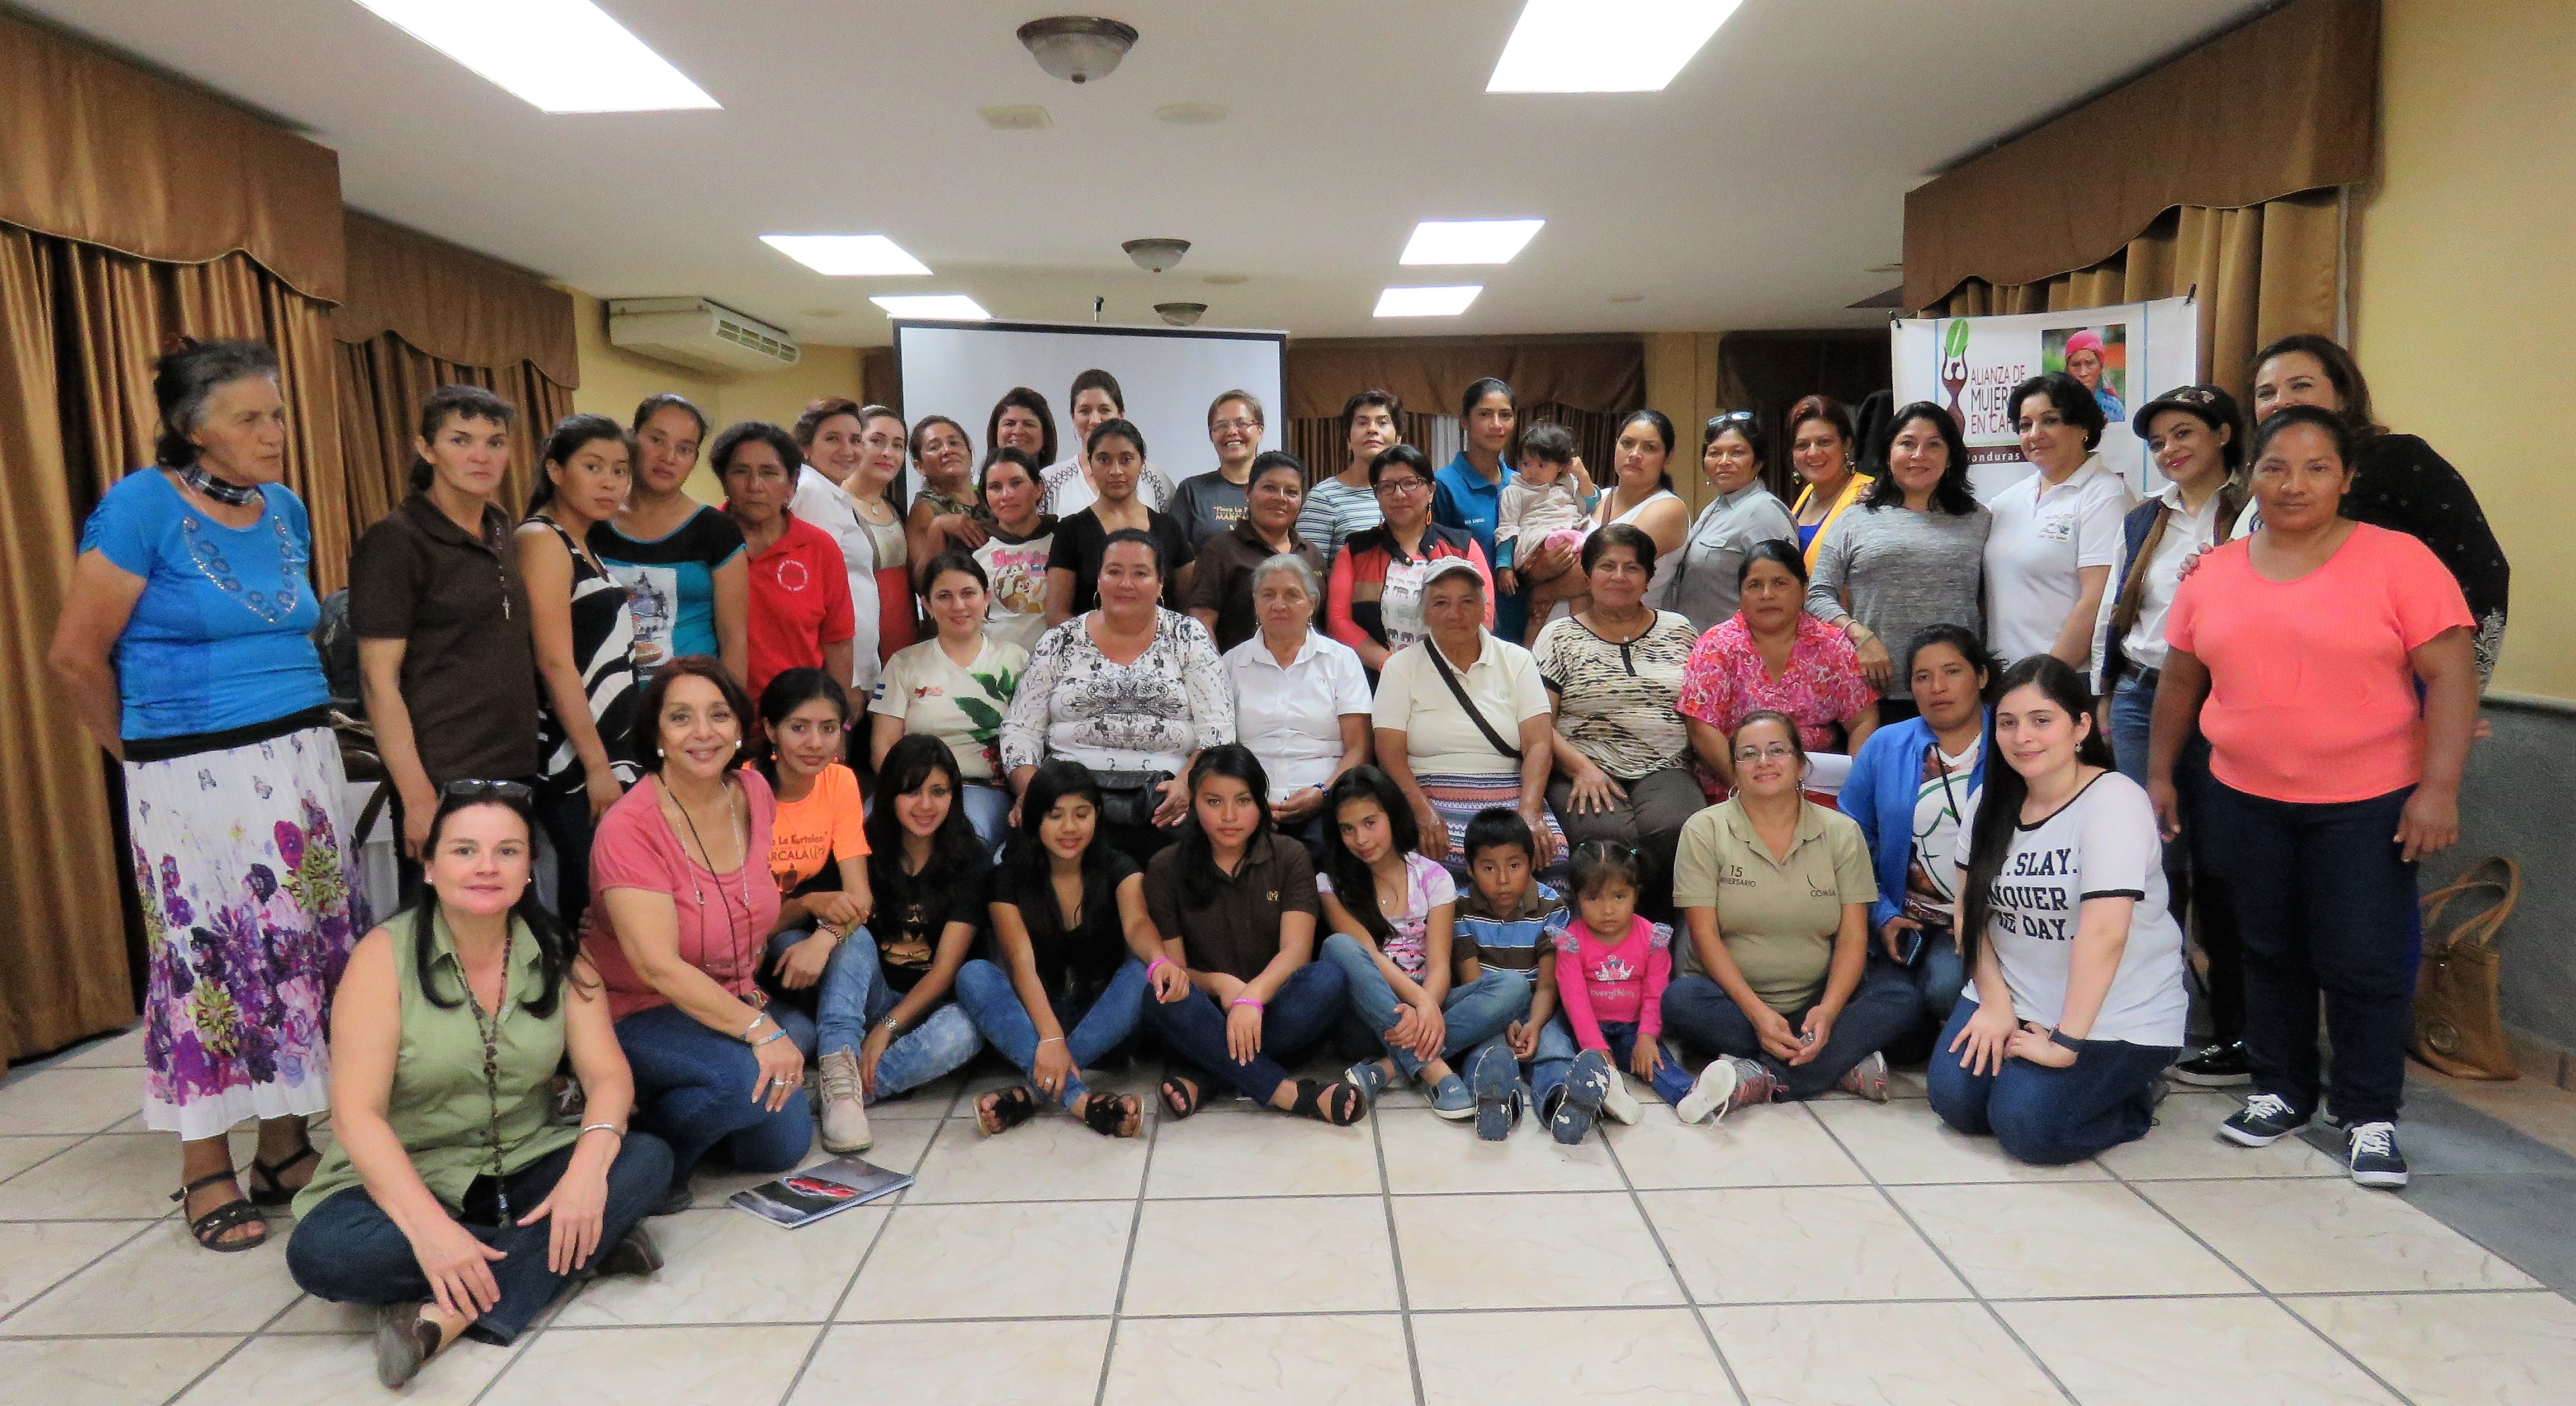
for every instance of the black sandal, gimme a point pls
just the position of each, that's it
(223, 1219)
(1348, 1105)
(1181, 1096)
(1107, 1115)
(277, 1192)
(1010, 1107)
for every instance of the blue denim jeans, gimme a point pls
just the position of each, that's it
(988, 809)
(852, 996)
(2049, 1117)
(1552, 1060)
(1475, 1013)
(1671, 1081)
(1091, 1032)
(1293, 1025)
(350, 1251)
(1882, 1009)
(693, 1091)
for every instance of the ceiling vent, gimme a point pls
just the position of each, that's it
(696, 333)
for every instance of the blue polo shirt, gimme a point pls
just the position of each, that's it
(1461, 498)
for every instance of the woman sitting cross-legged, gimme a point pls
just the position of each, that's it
(2075, 996)
(931, 877)
(1070, 931)
(448, 1196)
(1235, 997)
(1392, 913)
(1776, 982)
(818, 855)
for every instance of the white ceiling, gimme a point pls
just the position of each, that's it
(1755, 191)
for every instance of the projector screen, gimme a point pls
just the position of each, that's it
(1169, 374)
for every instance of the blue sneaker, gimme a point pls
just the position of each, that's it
(1587, 1087)
(1369, 1076)
(2264, 1120)
(1450, 1099)
(2371, 1155)
(1494, 1078)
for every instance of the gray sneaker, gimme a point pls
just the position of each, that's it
(1451, 1099)
(1868, 1079)
(845, 1111)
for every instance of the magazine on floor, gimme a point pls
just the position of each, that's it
(801, 1198)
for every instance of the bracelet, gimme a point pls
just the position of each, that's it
(1052, 1040)
(748, 1030)
(1248, 1001)
(588, 1128)
(1158, 962)
(778, 1034)
(892, 1025)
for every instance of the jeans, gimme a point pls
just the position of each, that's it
(693, 1091)
(1671, 1081)
(988, 809)
(1702, 1017)
(1650, 819)
(1293, 1025)
(350, 1251)
(852, 996)
(2192, 864)
(1553, 1059)
(2049, 1117)
(1091, 1032)
(2323, 905)
(1475, 1013)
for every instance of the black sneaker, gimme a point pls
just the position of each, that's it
(2264, 1120)
(2370, 1151)
(2217, 1067)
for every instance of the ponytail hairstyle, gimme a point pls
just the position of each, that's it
(1027, 878)
(454, 403)
(1352, 881)
(554, 945)
(787, 691)
(1600, 862)
(573, 434)
(1663, 427)
(2001, 798)
(1198, 856)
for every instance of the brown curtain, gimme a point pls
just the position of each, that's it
(382, 382)
(2261, 272)
(1600, 373)
(1768, 372)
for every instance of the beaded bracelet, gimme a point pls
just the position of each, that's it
(1248, 1001)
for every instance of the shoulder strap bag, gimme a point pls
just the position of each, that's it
(1475, 714)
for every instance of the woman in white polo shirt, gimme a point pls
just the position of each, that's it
(1301, 699)
(1463, 722)
(2075, 999)
(2056, 534)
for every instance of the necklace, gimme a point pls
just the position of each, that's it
(490, 1029)
(221, 490)
(738, 938)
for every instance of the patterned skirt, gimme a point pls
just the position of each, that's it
(1456, 799)
(251, 903)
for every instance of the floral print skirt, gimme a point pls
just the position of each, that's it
(251, 902)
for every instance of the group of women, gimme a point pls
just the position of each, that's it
(1247, 764)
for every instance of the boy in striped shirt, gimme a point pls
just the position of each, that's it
(1502, 922)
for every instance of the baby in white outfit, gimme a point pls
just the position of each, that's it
(1540, 506)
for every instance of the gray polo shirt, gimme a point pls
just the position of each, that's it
(1703, 586)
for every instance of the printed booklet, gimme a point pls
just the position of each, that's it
(809, 1195)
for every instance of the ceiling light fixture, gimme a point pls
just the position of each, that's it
(933, 307)
(1156, 255)
(846, 255)
(1181, 314)
(557, 55)
(1604, 46)
(1078, 48)
(1467, 241)
(1427, 302)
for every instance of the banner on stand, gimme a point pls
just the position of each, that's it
(2126, 354)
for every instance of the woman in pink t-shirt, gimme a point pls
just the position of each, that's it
(685, 901)
(2341, 686)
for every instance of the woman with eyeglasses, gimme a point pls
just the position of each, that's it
(1374, 600)
(1909, 557)
(2056, 534)
(1740, 512)
(800, 616)
(680, 561)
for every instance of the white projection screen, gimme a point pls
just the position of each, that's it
(1169, 374)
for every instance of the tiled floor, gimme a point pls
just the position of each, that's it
(1837, 1252)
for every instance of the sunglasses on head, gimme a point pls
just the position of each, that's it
(485, 791)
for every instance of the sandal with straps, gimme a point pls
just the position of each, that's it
(224, 1219)
(1107, 1115)
(1347, 1107)
(277, 1192)
(1008, 1108)
(1181, 1096)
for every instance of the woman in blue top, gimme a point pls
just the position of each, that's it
(1908, 786)
(185, 640)
(687, 577)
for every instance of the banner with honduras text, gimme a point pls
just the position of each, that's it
(2126, 354)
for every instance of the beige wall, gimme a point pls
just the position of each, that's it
(613, 380)
(1681, 381)
(2464, 289)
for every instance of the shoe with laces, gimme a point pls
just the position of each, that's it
(2217, 1067)
(2370, 1153)
(2264, 1120)
(1867, 1079)
(845, 1110)
(1728, 1083)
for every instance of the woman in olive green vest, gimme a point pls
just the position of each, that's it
(450, 1196)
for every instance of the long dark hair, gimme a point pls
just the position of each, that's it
(1951, 494)
(572, 434)
(1352, 881)
(1475, 396)
(1198, 854)
(1663, 426)
(554, 945)
(2352, 391)
(1999, 811)
(909, 764)
(1027, 879)
(787, 691)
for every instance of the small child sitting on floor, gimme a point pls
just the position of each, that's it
(1611, 970)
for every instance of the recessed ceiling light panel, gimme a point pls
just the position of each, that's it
(557, 55)
(846, 255)
(1604, 46)
(937, 307)
(1427, 302)
(1468, 241)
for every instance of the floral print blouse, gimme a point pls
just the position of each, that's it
(1725, 680)
(1075, 702)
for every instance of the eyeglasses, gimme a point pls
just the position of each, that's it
(1776, 752)
(1731, 417)
(1243, 425)
(464, 790)
(1388, 488)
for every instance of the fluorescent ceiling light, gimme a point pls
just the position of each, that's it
(944, 307)
(846, 255)
(559, 55)
(1467, 241)
(1604, 46)
(1427, 302)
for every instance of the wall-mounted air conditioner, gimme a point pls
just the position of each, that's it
(697, 333)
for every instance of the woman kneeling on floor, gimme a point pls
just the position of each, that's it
(448, 1195)
(1070, 932)
(2075, 998)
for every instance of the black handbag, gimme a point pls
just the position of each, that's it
(1130, 797)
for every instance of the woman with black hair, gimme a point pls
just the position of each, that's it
(1373, 599)
(445, 664)
(2075, 998)
(818, 857)
(1467, 494)
(1639, 494)
(1775, 655)
(1022, 421)
(450, 1196)
(681, 561)
(800, 614)
(931, 878)
(1740, 512)
(955, 687)
(1117, 461)
(1236, 996)
(1014, 554)
(1069, 926)
(1908, 558)
(585, 644)
(948, 515)
(2056, 534)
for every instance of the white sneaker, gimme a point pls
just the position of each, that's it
(845, 1112)
(1618, 1102)
(1709, 1094)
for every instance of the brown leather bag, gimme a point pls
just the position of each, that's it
(2459, 1029)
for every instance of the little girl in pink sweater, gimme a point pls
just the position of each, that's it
(1611, 969)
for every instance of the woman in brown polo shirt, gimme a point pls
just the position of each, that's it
(445, 662)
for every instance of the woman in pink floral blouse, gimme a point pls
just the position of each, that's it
(1772, 654)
